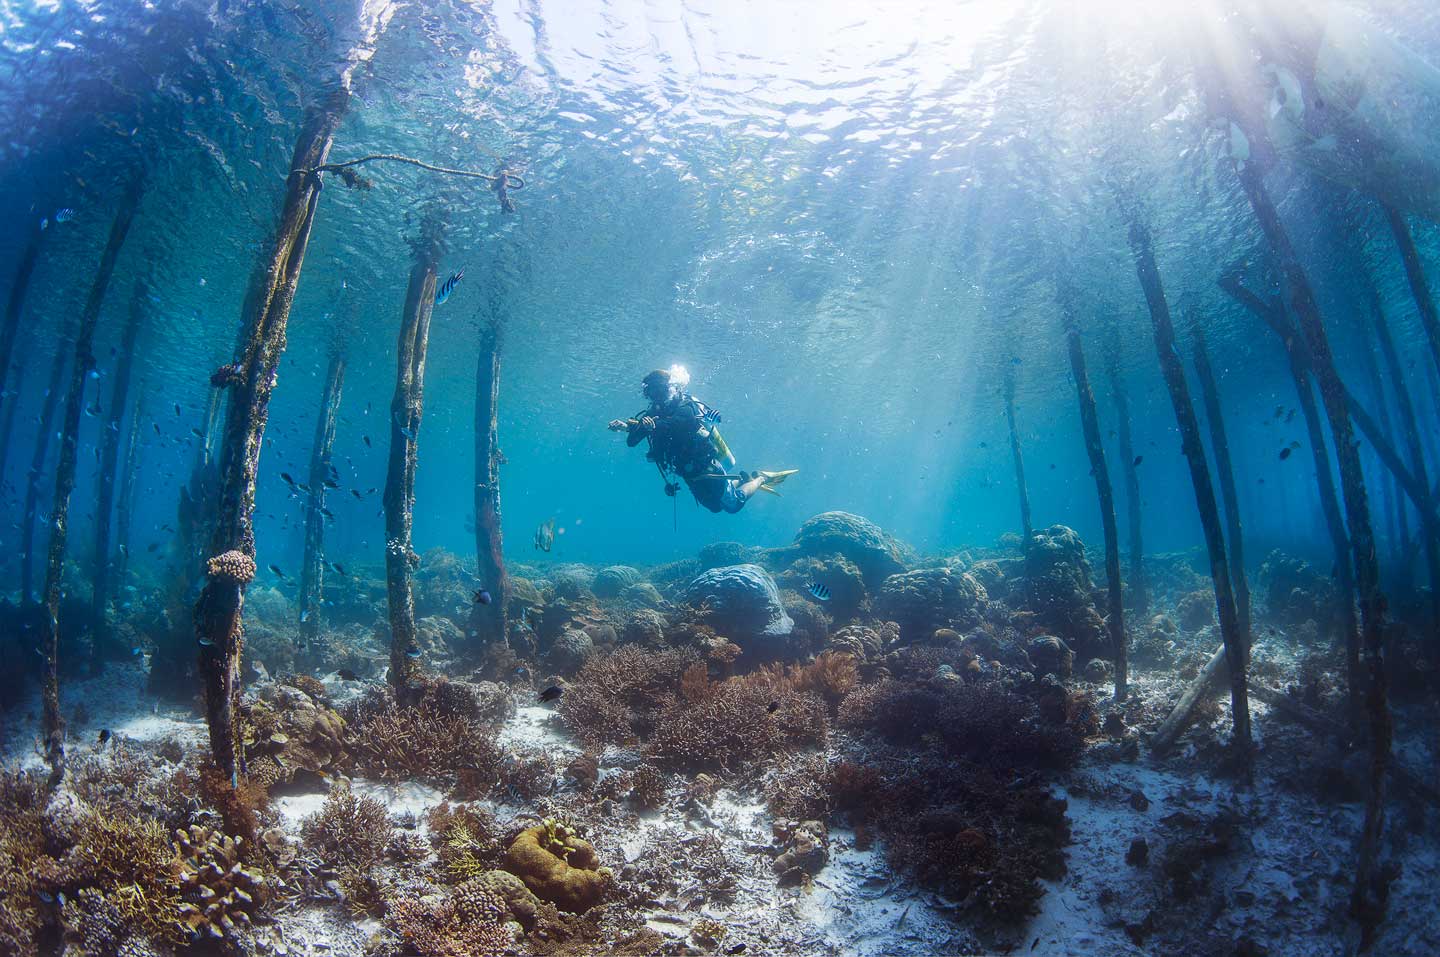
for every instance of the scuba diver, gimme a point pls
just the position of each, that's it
(685, 441)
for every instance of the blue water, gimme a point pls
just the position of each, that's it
(843, 220)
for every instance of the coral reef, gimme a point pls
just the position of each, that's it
(929, 598)
(468, 922)
(1058, 590)
(348, 830)
(438, 737)
(220, 893)
(288, 730)
(611, 581)
(875, 553)
(559, 867)
(742, 602)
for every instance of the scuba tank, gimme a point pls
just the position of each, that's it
(722, 450)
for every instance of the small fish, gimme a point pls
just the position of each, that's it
(356, 492)
(1285, 453)
(286, 478)
(177, 408)
(545, 535)
(1138, 460)
(482, 597)
(327, 513)
(44, 224)
(339, 568)
(331, 483)
(448, 287)
(413, 651)
(152, 546)
(64, 214)
(304, 616)
(367, 441)
(551, 693)
(740, 948)
(104, 737)
(94, 373)
(157, 427)
(197, 433)
(345, 674)
(205, 642)
(773, 707)
(820, 590)
(275, 570)
(1290, 415)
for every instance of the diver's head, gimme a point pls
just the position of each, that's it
(664, 386)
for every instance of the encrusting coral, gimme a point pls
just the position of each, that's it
(558, 866)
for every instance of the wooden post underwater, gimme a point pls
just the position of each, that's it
(10, 330)
(1419, 287)
(1220, 446)
(1139, 593)
(125, 505)
(312, 571)
(489, 621)
(231, 563)
(1189, 426)
(1090, 423)
(406, 409)
(1273, 314)
(45, 428)
(109, 461)
(84, 362)
(1021, 490)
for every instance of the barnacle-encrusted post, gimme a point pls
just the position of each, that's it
(109, 459)
(1090, 424)
(1189, 425)
(1367, 902)
(45, 428)
(125, 502)
(1220, 447)
(1139, 595)
(10, 328)
(65, 471)
(1419, 287)
(218, 610)
(1021, 489)
(489, 620)
(1273, 313)
(312, 572)
(399, 500)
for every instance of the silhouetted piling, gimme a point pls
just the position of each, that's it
(45, 429)
(1189, 426)
(1273, 314)
(10, 330)
(7, 424)
(231, 564)
(489, 621)
(406, 409)
(1419, 287)
(1129, 466)
(109, 460)
(125, 503)
(1368, 899)
(1220, 446)
(312, 571)
(1395, 503)
(1090, 423)
(1021, 490)
(65, 474)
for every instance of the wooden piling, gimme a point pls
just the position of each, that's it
(312, 570)
(1021, 489)
(1220, 446)
(231, 563)
(406, 409)
(1090, 424)
(489, 621)
(125, 504)
(34, 478)
(10, 330)
(1189, 426)
(1415, 274)
(84, 361)
(1139, 593)
(109, 461)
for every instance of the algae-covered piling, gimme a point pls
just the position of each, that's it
(312, 571)
(489, 619)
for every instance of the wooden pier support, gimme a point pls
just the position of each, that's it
(1189, 426)
(44, 431)
(84, 361)
(10, 331)
(312, 570)
(1021, 489)
(406, 409)
(489, 621)
(1139, 593)
(125, 503)
(1419, 287)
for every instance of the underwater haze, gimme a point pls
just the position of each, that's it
(1069, 357)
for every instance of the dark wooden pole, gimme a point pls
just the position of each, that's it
(7, 425)
(45, 429)
(1419, 287)
(1273, 314)
(406, 409)
(489, 620)
(231, 565)
(1189, 425)
(109, 461)
(1021, 489)
(10, 329)
(1368, 900)
(128, 483)
(1090, 423)
(1220, 446)
(1139, 594)
(312, 571)
(65, 474)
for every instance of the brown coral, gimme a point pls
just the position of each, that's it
(233, 566)
(220, 893)
(348, 829)
(467, 923)
(558, 867)
(424, 742)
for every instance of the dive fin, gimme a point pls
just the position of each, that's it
(774, 478)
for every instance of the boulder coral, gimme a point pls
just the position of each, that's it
(1058, 590)
(742, 601)
(611, 581)
(874, 552)
(559, 867)
(930, 598)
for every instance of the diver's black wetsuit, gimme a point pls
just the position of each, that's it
(680, 443)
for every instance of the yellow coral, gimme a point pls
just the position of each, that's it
(558, 867)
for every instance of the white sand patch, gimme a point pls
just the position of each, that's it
(539, 728)
(398, 797)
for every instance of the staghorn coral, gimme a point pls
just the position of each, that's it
(220, 894)
(831, 676)
(744, 719)
(558, 866)
(466, 839)
(24, 864)
(348, 830)
(615, 697)
(232, 566)
(400, 743)
(470, 922)
(647, 787)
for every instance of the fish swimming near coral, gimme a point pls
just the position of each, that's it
(447, 287)
(64, 214)
(275, 570)
(412, 651)
(820, 590)
(345, 674)
(551, 693)
(482, 596)
(545, 535)
(104, 737)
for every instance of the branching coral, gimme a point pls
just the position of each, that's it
(615, 697)
(425, 742)
(744, 719)
(465, 836)
(468, 923)
(832, 675)
(348, 830)
(24, 865)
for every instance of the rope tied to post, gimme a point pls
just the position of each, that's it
(502, 181)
